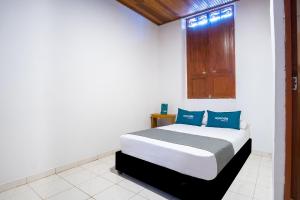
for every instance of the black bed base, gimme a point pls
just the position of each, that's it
(180, 185)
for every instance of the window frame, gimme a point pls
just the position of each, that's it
(211, 87)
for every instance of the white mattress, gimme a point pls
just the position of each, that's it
(184, 159)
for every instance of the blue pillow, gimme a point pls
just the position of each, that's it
(224, 119)
(189, 117)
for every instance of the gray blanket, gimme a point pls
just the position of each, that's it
(222, 149)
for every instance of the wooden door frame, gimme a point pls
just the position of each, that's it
(290, 8)
(288, 100)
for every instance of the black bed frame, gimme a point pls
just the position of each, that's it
(180, 185)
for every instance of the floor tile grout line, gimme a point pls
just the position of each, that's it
(117, 183)
(31, 189)
(74, 186)
(35, 192)
(55, 172)
(56, 193)
(135, 196)
(103, 190)
(128, 189)
(99, 176)
(253, 195)
(81, 166)
(135, 193)
(71, 184)
(139, 194)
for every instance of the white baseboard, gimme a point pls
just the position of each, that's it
(59, 169)
(40, 176)
(17, 183)
(260, 153)
(29, 179)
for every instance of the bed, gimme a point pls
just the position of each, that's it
(188, 169)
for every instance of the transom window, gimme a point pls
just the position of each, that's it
(211, 17)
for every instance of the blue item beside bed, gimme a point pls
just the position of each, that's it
(224, 119)
(189, 117)
(164, 109)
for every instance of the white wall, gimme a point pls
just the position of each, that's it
(278, 52)
(74, 76)
(254, 71)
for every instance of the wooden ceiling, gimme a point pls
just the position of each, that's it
(164, 11)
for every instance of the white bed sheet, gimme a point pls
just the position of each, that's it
(186, 160)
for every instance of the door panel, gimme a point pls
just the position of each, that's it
(197, 51)
(295, 57)
(198, 88)
(221, 57)
(197, 63)
(294, 62)
(222, 87)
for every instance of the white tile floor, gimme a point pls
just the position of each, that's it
(98, 180)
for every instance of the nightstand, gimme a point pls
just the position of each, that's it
(162, 120)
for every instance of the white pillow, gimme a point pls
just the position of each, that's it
(243, 124)
(204, 121)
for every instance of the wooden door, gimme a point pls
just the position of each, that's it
(197, 63)
(292, 167)
(296, 105)
(211, 59)
(221, 59)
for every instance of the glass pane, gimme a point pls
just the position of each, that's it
(215, 16)
(192, 22)
(202, 20)
(226, 12)
(211, 17)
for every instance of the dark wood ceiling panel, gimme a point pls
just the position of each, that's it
(164, 11)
